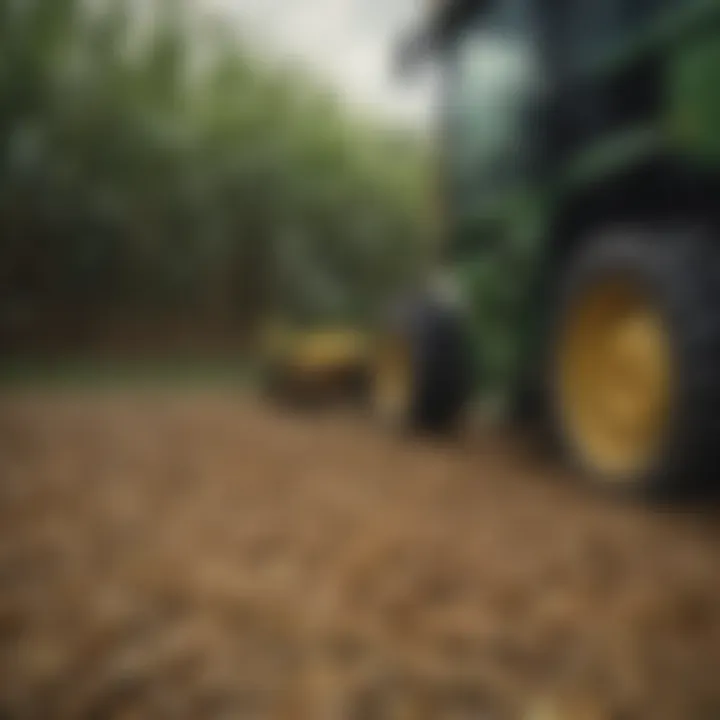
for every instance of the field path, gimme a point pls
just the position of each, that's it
(202, 555)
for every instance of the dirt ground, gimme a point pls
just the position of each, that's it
(200, 555)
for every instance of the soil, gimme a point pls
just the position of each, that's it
(203, 555)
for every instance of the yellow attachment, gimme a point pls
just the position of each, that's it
(615, 379)
(301, 351)
(327, 349)
(315, 365)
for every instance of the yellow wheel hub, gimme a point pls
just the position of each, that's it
(615, 379)
(392, 382)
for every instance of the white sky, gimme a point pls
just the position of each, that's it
(348, 41)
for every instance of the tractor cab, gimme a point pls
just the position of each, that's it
(529, 85)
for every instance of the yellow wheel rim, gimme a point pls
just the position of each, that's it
(392, 382)
(615, 379)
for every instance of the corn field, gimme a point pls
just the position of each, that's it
(153, 167)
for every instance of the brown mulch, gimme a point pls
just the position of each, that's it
(201, 555)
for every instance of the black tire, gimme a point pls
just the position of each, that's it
(680, 271)
(436, 338)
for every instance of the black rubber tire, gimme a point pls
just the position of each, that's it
(681, 271)
(436, 336)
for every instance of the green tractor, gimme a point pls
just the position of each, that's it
(579, 283)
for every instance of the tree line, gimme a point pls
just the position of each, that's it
(153, 166)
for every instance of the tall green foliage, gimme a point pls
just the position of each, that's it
(148, 163)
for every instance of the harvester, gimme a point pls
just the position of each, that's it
(578, 285)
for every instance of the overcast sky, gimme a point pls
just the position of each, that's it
(346, 40)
